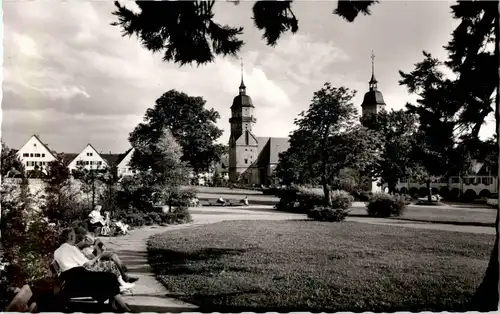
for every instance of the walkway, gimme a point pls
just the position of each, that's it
(148, 294)
(151, 296)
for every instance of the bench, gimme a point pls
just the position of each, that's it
(65, 296)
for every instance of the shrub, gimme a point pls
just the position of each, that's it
(299, 199)
(385, 205)
(324, 213)
(361, 196)
(341, 199)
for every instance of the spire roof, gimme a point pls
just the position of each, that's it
(373, 81)
(242, 85)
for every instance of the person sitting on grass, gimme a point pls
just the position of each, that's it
(221, 201)
(244, 201)
(92, 247)
(76, 276)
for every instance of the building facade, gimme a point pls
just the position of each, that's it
(89, 159)
(35, 155)
(123, 166)
(251, 159)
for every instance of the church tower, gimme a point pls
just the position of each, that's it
(243, 145)
(373, 102)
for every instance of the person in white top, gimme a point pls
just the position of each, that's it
(96, 221)
(77, 278)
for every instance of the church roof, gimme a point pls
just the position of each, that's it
(242, 101)
(270, 148)
(373, 97)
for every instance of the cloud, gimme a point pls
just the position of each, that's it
(72, 78)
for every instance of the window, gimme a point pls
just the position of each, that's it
(37, 155)
(99, 162)
(27, 164)
(89, 154)
(26, 155)
(43, 163)
(87, 162)
(43, 155)
(246, 161)
(31, 155)
(34, 144)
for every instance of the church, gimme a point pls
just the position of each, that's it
(252, 159)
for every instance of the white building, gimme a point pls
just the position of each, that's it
(89, 158)
(123, 167)
(35, 154)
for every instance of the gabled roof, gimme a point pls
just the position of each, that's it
(68, 158)
(53, 153)
(111, 159)
(123, 155)
(270, 148)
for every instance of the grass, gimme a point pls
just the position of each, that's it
(312, 266)
(471, 216)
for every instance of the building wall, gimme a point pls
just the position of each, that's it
(34, 153)
(89, 158)
(124, 168)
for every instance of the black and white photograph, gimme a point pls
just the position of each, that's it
(258, 156)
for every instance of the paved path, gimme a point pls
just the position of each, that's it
(151, 296)
(148, 294)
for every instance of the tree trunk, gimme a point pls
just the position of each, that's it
(429, 190)
(486, 297)
(326, 191)
(391, 185)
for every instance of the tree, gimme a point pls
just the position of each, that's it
(90, 179)
(161, 171)
(467, 102)
(11, 165)
(109, 196)
(185, 31)
(397, 130)
(192, 125)
(327, 141)
(61, 205)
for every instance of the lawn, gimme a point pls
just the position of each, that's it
(471, 216)
(313, 266)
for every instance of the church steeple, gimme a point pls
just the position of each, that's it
(373, 81)
(243, 88)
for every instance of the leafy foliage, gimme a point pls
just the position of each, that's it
(91, 181)
(191, 124)
(11, 165)
(385, 205)
(325, 213)
(327, 141)
(62, 205)
(161, 173)
(185, 31)
(398, 130)
(299, 199)
(341, 200)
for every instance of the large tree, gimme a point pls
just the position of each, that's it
(397, 130)
(467, 101)
(328, 141)
(161, 171)
(187, 31)
(192, 125)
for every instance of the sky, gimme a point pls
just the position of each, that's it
(70, 77)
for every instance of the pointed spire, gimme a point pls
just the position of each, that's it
(242, 85)
(373, 81)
